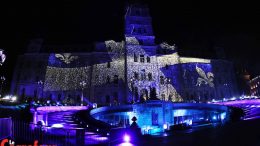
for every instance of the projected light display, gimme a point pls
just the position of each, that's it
(132, 70)
(65, 78)
(66, 57)
(204, 78)
(61, 75)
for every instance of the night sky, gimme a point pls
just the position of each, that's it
(190, 25)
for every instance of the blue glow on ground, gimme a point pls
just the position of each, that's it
(125, 144)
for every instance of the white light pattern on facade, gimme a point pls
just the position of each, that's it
(62, 79)
(69, 78)
(193, 60)
(156, 63)
(66, 57)
(101, 71)
(204, 78)
(131, 41)
(165, 45)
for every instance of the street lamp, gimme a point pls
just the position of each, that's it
(132, 80)
(82, 85)
(40, 83)
(167, 82)
(2, 78)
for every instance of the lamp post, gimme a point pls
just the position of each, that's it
(2, 82)
(199, 92)
(40, 83)
(82, 85)
(167, 81)
(132, 80)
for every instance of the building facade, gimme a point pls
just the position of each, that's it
(255, 86)
(133, 70)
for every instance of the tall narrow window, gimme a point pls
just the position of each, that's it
(136, 76)
(150, 77)
(161, 80)
(148, 59)
(142, 58)
(135, 58)
(116, 79)
(108, 79)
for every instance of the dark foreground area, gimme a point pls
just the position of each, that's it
(242, 133)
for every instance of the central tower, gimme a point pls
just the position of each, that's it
(138, 24)
(141, 64)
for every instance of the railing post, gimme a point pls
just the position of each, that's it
(80, 136)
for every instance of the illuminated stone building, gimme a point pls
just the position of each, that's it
(132, 70)
(255, 86)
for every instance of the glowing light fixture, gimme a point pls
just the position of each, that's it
(164, 126)
(126, 138)
(57, 126)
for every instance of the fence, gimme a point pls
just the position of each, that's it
(23, 133)
(27, 133)
(5, 127)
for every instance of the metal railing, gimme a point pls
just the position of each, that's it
(5, 127)
(27, 133)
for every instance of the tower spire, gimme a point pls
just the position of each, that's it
(138, 23)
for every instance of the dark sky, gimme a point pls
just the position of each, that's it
(190, 25)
